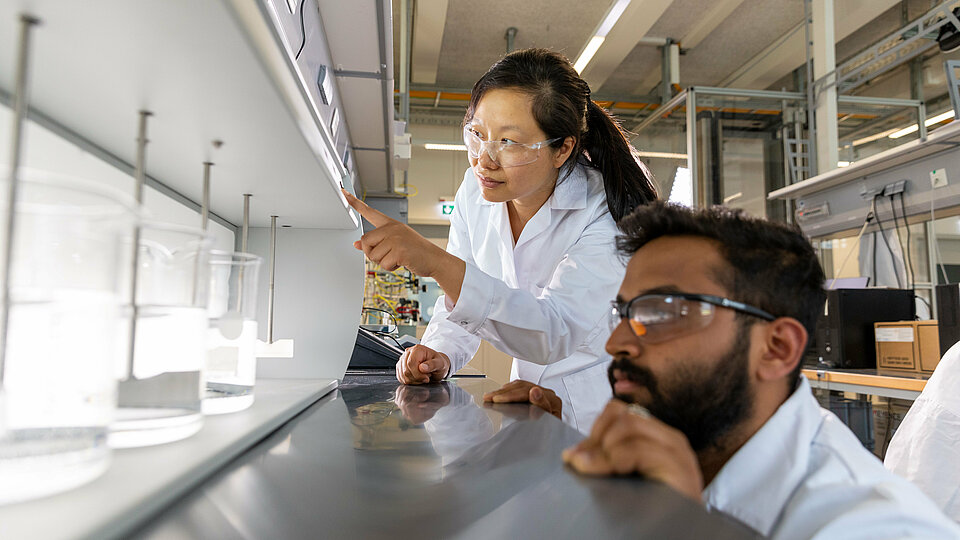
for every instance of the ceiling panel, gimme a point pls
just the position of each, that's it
(473, 37)
(637, 66)
(363, 105)
(371, 169)
(351, 29)
(755, 24)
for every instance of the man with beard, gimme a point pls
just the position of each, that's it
(710, 324)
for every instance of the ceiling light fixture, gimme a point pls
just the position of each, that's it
(942, 117)
(610, 19)
(874, 137)
(669, 155)
(441, 146)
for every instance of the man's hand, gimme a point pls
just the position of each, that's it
(526, 392)
(419, 403)
(623, 442)
(420, 364)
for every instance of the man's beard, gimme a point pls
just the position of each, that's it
(704, 406)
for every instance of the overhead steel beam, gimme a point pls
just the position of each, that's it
(662, 110)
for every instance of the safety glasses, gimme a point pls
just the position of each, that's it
(660, 317)
(503, 153)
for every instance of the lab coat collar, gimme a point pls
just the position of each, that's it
(569, 194)
(756, 483)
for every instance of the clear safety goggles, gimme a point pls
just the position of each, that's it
(503, 153)
(661, 317)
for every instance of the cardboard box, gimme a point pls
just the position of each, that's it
(908, 345)
(888, 413)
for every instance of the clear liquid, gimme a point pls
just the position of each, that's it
(231, 369)
(161, 403)
(59, 391)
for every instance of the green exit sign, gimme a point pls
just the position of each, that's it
(447, 209)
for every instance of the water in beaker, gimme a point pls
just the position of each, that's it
(231, 364)
(160, 392)
(59, 391)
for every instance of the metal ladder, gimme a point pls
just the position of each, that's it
(797, 153)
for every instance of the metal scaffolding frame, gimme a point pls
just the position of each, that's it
(894, 50)
(689, 97)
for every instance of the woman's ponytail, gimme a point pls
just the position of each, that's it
(626, 180)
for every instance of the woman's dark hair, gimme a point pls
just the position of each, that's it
(562, 108)
(771, 265)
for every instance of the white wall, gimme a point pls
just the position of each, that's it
(743, 172)
(318, 296)
(435, 173)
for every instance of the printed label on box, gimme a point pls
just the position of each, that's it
(890, 361)
(902, 334)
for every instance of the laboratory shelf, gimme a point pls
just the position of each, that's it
(869, 381)
(945, 138)
(143, 481)
(208, 70)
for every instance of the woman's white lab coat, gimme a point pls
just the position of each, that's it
(544, 300)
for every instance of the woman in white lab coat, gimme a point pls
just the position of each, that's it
(531, 264)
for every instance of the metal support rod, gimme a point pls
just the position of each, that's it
(386, 89)
(241, 300)
(743, 92)
(273, 275)
(405, 46)
(27, 22)
(511, 37)
(867, 100)
(245, 230)
(205, 204)
(691, 97)
(922, 121)
(139, 178)
(666, 92)
(660, 111)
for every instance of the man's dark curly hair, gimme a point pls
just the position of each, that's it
(771, 265)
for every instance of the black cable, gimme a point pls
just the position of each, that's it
(396, 324)
(385, 334)
(303, 31)
(893, 258)
(913, 275)
(896, 227)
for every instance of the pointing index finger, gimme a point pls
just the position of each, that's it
(375, 217)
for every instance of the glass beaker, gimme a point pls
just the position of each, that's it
(59, 390)
(231, 366)
(160, 391)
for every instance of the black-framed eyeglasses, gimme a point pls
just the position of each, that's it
(661, 317)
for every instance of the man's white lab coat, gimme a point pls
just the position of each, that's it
(544, 300)
(805, 475)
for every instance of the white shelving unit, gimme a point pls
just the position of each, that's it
(208, 70)
(218, 70)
